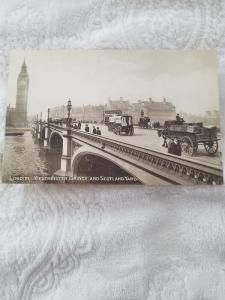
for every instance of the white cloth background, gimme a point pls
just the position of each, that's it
(108, 242)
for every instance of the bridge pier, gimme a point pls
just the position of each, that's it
(67, 152)
(36, 128)
(39, 130)
(46, 138)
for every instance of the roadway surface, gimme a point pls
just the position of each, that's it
(148, 138)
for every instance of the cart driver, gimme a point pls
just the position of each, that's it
(178, 118)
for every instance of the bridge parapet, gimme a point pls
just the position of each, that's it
(183, 171)
(176, 170)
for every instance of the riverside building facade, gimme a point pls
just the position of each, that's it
(158, 111)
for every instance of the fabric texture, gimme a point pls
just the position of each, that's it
(89, 242)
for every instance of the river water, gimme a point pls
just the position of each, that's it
(26, 160)
(24, 156)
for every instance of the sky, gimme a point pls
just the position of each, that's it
(189, 79)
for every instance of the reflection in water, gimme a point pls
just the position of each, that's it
(25, 156)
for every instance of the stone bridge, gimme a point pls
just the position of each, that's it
(112, 157)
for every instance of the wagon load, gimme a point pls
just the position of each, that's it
(191, 136)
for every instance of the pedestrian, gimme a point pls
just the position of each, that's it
(174, 147)
(94, 131)
(164, 141)
(178, 118)
(178, 149)
(171, 146)
(98, 131)
(79, 125)
(86, 128)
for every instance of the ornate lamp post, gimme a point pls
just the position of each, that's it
(67, 143)
(48, 114)
(69, 107)
(40, 127)
(37, 125)
(47, 132)
(103, 115)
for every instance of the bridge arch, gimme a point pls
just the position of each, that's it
(94, 162)
(56, 140)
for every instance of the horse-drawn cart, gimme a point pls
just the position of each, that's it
(121, 124)
(191, 136)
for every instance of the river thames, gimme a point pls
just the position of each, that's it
(24, 156)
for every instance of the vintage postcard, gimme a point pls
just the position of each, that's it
(113, 116)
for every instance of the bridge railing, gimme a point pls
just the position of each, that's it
(179, 170)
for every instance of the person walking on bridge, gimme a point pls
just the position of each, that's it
(178, 149)
(171, 146)
(94, 131)
(98, 131)
(174, 147)
(87, 128)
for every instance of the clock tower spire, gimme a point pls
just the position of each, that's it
(22, 97)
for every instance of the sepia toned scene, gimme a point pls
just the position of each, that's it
(113, 116)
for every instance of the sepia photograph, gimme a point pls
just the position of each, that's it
(113, 116)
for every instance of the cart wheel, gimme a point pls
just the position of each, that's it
(114, 130)
(195, 146)
(132, 131)
(211, 147)
(119, 128)
(187, 146)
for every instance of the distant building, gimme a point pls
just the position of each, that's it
(89, 113)
(17, 117)
(158, 111)
(121, 104)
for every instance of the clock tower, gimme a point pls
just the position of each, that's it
(21, 97)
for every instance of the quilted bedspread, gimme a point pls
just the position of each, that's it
(89, 242)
